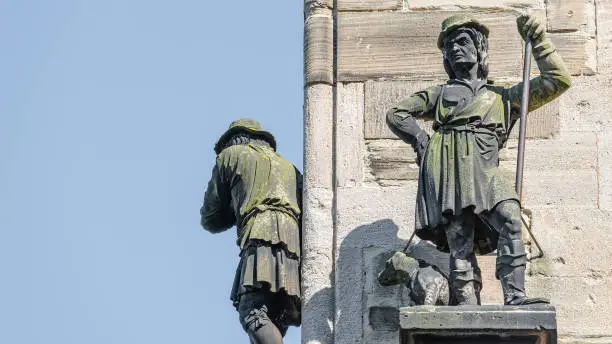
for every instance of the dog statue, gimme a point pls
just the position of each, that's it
(427, 284)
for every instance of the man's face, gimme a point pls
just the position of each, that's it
(460, 50)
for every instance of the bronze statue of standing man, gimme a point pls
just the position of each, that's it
(258, 191)
(464, 203)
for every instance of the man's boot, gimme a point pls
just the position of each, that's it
(513, 284)
(463, 284)
(464, 292)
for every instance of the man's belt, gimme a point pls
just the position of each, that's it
(264, 207)
(472, 127)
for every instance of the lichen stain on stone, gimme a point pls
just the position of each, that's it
(539, 267)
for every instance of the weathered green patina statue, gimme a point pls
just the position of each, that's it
(464, 203)
(258, 191)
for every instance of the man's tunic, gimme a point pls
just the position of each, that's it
(460, 168)
(257, 190)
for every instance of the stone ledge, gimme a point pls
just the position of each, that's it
(319, 46)
(472, 4)
(478, 317)
(369, 5)
(478, 324)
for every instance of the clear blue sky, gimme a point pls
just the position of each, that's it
(109, 110)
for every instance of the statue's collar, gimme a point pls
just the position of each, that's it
(475, 86)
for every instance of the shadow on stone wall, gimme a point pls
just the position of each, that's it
(320, 325)
(363, 306)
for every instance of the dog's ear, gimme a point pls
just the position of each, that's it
(398, 259)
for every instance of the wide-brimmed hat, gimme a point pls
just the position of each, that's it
(244, 125)
(456, 21)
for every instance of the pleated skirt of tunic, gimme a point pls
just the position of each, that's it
(268, 262)
(460, 172)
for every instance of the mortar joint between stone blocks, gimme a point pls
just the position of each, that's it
(313, 83)
(597, 171)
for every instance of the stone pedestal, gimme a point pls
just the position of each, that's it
(534, 324)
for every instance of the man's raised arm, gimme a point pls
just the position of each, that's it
(554, 78)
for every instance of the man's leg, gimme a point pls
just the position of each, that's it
(254, 317)
(477, 275)
(460, 236)
(511, 256)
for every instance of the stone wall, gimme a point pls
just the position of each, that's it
(362, 56)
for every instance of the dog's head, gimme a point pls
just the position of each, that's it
(398, 269)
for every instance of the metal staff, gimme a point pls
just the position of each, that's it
(409, 242)
(520, 162)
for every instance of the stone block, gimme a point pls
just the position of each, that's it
(313, 4)
(369, 5)
(394, 160)
(318, 136)
(377, 45)
(478, 324)
(572, 242)
(319, 46)
(472, 4)
(349, 134)
(595, 339)
(604, 170)
(582, 303)
(375, 216)
(548, 188)
(369, 221)
(380, 96)
(491, 293)
(317, 265)
(376, 295)
(384, 318)
(349, 308)
(566, 151)
(579, 52)
(541, 123)
(318, 226)
(390, 160)
(570, 15)
(585, 106)
(576, 188)
(604, 35)
(382, 303)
